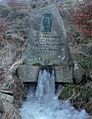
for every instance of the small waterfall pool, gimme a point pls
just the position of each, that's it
(44, 104)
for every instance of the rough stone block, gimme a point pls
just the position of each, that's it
(28, 73)
(63, 74)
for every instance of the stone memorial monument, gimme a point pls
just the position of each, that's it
(47, 45)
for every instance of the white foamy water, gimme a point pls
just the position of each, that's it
(45, 105)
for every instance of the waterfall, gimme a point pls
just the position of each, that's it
(46, 86)
(44, 104)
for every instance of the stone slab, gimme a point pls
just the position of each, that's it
(63, 74)
(47, 39)
(28, 73)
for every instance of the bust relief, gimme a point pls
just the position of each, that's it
(46, 23)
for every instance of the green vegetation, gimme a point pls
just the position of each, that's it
(86, 63)
(70, 91)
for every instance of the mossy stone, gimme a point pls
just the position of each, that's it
(71, 90)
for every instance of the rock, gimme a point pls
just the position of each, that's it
(90, 73)
(7, 83)
(78, 72)
(28, 73)
(6, 92)
(2, 110)
(7, 55)
(15, 39)
(88, 107)
(89, 85)
(90, 117)
(63, 74)
(47, 43)
(69, 92)
(12, 114)
(7, 101)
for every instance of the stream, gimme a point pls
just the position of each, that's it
(44, 103)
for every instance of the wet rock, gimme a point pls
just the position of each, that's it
(69, 92)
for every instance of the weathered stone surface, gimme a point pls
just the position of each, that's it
(7, 55)
(7, 83)
(1, 107)
(90, 73)
(47, 40)
(7, 101)
(78, 72)
(28, 73)
(64, 74)
(46, 45)
(12, 114)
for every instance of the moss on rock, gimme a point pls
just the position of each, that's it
(70, 91)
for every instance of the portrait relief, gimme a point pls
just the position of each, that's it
(46, 23)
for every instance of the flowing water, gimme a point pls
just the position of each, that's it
(44, 104)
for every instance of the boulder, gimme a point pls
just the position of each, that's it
(7, 101)
(69, 92)
(78, 72)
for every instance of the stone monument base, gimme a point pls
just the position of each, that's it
(30, 73)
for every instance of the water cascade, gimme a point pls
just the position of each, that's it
(44, 104)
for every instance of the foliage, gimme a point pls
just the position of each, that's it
(86, 63)
(15, 5)
(3, 27)
(82, 18)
